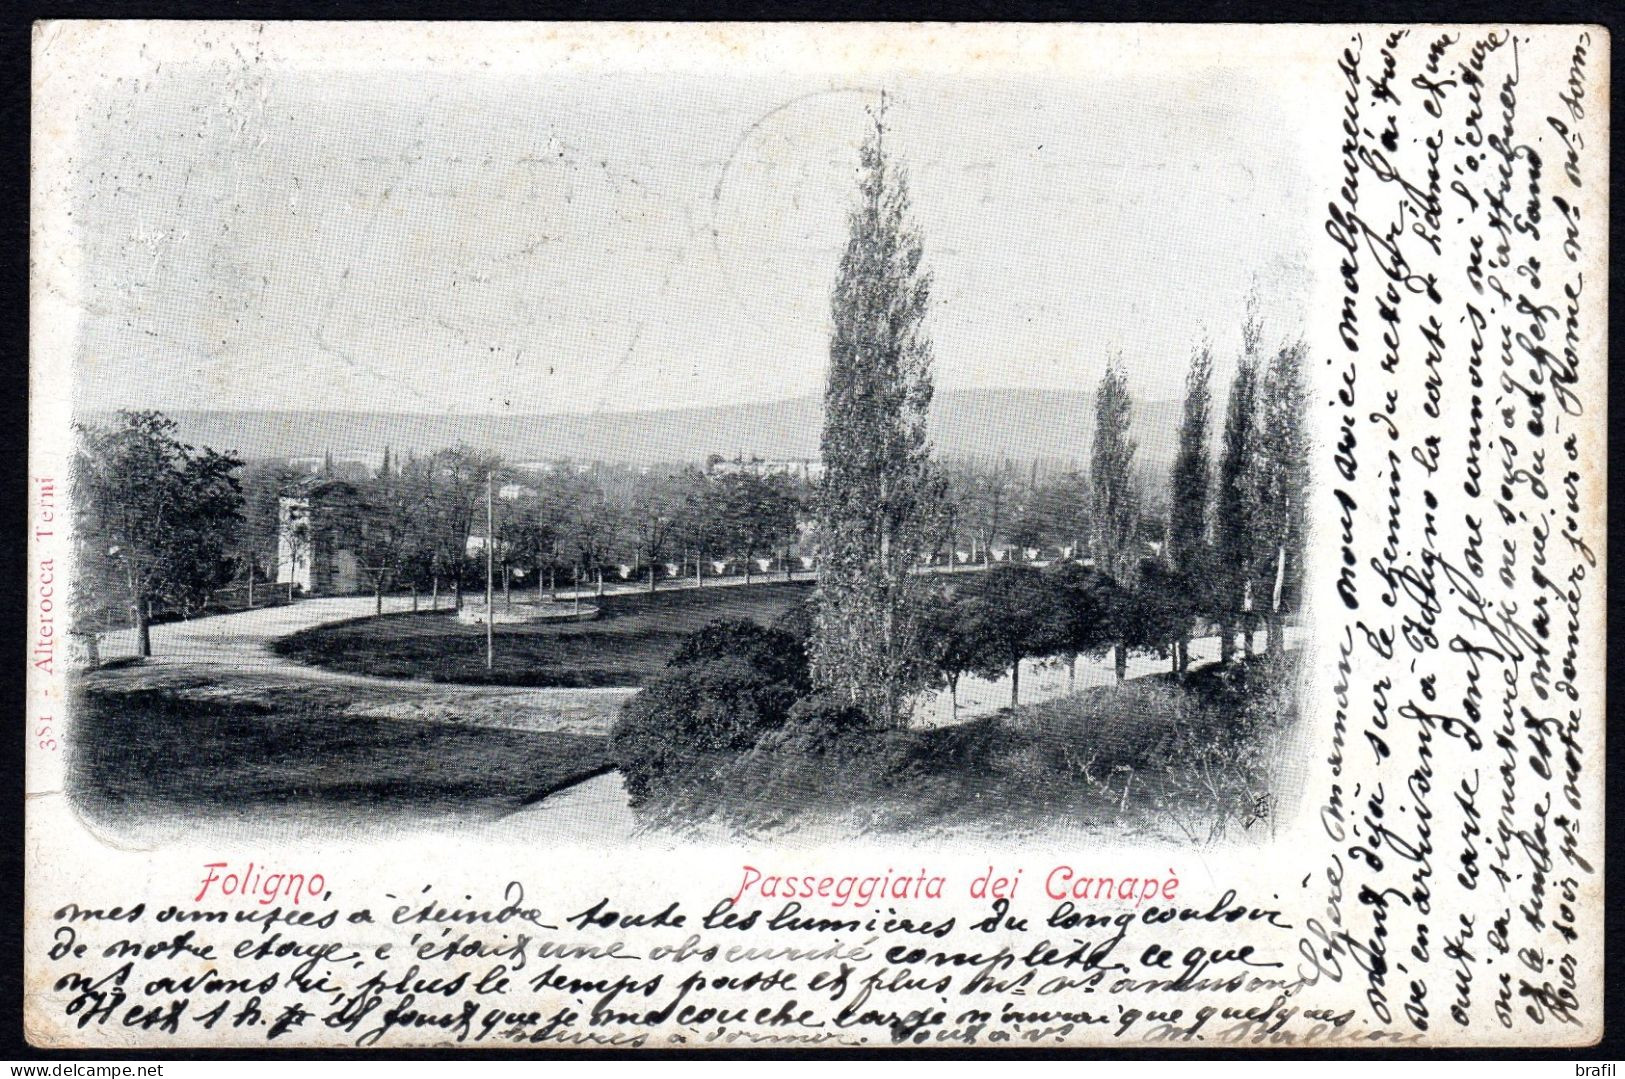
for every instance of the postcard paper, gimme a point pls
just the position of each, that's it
(816, 536)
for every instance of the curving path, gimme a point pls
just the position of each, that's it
(232, 653)
(1042, 680)
(237, 647)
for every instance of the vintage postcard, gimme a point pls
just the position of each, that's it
(816, 536)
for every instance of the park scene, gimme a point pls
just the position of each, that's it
(880, 637)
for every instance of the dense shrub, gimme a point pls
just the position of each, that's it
(1199, 755)
(733, 734)
(827, 758)
(819, 725)
(778, 654)
(1128, 725)
(685, 723)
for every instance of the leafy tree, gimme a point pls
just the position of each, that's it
(1115, 505)
(879, 505)
(947, 643)
(702, 530)
(299, 535)
(386, 530)
(164, 513)
(650, 515)
(419, 558)
(1010, 613)
(983, 497)
(457, 479)
(553, 516)
(1055, 512)
(200, 557)
(1157, 613)
(1235, 511)
(1088, 612)
(1115, 508)
(591, 521)
(777, 652)
(1280, 484)
(726, 686)
(687, 722)
(757, 513)
(526, 537)
(1188, 552)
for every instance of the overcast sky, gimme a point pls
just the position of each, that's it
(271, 237)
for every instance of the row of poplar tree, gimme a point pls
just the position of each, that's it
(1232, 552)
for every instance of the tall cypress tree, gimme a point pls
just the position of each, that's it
(1187, 550)
(1280, 482)
(1115, 505)
(1234, 511)
(880, 502)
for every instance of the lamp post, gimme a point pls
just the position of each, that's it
(490, 551)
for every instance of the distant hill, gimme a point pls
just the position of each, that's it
(1021, 425)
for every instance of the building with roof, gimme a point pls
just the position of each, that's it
(806, 469)
(319, 538)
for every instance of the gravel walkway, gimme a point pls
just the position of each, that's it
(230, 654)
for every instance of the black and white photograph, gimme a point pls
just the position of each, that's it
(925, 458)
(1025, 503)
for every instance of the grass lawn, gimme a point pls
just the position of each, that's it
(1157, 759)
(627, 644)
(159, 751)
